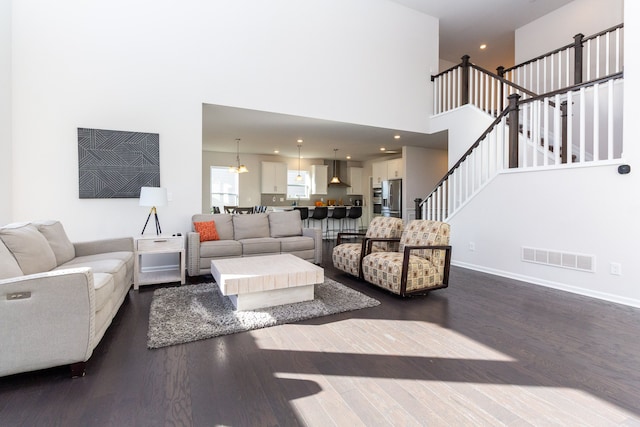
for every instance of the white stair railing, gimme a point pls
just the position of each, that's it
(471, 173)
(589, 116)
(467, 83)
(563, 128)
(583, 60)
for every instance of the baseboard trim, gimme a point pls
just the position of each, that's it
(551, 284)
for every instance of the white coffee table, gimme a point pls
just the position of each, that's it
(265, 281)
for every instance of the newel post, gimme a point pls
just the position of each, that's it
(563, 148)
(500, 71)
(577, 58)
(514, 129)
(418, 202)
(464, 89)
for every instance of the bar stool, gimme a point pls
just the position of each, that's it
(319, 214)
(355, 213)
(304, 214)
(337, 214)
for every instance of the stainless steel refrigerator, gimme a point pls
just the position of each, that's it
(392, 198)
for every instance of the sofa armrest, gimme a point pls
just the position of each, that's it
(48, 319)
(316, 234)
(123, 244)
(193, 253)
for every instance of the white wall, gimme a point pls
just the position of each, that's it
(148, 66)
(465, 125)
(585, 210)
(558, 28)
(6, 202)
(424, 168)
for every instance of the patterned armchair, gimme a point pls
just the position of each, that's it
(348, 256)
(422, 263)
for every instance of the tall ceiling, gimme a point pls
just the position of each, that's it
(464, 26)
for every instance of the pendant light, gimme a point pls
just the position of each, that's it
(335, 179)
(238, 168)
(299, 177)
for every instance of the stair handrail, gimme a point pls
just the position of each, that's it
(570, 45)
(575, 87)
(466, 154)
(503, 80)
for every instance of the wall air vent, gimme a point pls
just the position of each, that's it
(559, 259)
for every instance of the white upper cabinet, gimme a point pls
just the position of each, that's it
(354, 176)
(274, 178)
(319, 179)
(379, 173)
(395, 168)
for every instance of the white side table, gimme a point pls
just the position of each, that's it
(162, 244)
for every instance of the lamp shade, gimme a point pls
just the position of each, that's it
(153, 196)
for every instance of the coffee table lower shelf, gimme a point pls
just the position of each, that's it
(265, 281)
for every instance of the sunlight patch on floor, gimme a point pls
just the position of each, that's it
(379, 336)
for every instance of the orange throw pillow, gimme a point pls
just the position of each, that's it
(207, 230)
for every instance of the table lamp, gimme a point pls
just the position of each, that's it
(153, 197)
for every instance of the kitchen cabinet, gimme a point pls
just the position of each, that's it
(395, 168)
(379, 173)
(274, 178)
(354, 176)
(389, 169)
(319, 179)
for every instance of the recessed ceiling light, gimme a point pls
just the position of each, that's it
(382, 148)
(276, 151)
(348, 157)
(299, 141)
(483, 46)
(396, 137)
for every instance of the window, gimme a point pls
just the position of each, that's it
(224, 187)
(298, 190)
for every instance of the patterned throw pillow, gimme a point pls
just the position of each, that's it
(207, 230)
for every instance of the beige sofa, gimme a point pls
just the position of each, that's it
(252, 235)
(57, 298)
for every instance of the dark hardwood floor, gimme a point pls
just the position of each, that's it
(485, 351)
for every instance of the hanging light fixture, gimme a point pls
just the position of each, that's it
(299, 177)
(335, 179)
(238, 168)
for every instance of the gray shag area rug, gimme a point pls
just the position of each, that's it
(196, 312)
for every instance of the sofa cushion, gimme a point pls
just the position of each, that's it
(220, 248)
(285, 224)
(114, 266)
(8, 265)
(296, 243)
(224, 223)
(260, 245)
(250, 226)
(60, 244)
(207, 230)
(104, 286)
(29, 247)
(124, 256)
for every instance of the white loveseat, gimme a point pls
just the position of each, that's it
(57, 298)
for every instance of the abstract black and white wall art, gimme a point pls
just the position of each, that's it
(115, 164)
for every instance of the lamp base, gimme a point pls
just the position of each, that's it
(155, 214)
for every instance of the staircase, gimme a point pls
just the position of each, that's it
(559, 110)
